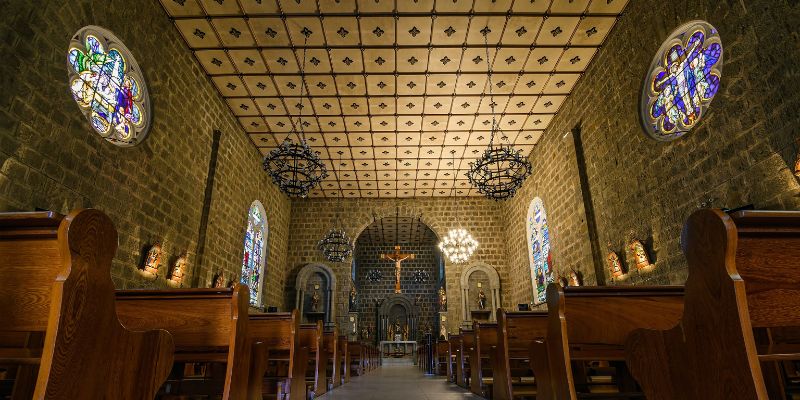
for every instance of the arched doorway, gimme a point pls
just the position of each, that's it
(381, 311)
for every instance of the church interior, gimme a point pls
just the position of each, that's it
(400, 199)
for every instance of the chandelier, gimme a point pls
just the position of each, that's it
(458, 245)
(501, 170)
(294, 167)
(336, 246)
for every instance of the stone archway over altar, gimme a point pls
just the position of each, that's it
(398, 315)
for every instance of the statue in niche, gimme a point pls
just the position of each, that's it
(614, 264)
(574, 278)
(395, 330)
(481, 299)
(353, 297)
(640, 257)
(315, 299)
(364, 333)
(442, 299)
(179, 269)
(219, 280)
(152, 261)
(233, 281)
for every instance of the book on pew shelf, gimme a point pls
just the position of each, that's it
(600, 378)
(603, 389)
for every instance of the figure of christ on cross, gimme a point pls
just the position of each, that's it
(397, 257)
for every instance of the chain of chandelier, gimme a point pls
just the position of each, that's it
(498, 174)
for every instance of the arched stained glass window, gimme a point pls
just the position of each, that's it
(108, 86)
(539, 250)
(682, 80)
(255, 259)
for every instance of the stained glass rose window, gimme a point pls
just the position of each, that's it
(108, 85)
(682, 80)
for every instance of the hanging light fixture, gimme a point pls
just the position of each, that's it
(336, 246)
(458, 246)
(293, 166)
(501, 170)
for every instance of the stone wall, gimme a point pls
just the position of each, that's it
(742, 152)
(311, 218)
(50, 157)
(424, 295)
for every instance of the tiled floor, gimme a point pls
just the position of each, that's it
(398, 382)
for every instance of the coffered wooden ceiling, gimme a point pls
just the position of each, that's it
(394, 89)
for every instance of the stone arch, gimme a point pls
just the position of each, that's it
(494, 287)
(304, 275)
(367, 217)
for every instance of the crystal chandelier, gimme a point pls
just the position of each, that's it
(336, 246)
(501, 170)
(294, 167)
(458, 245)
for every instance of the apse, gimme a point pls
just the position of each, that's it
(383, 313)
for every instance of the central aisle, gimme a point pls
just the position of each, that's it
(398, 382)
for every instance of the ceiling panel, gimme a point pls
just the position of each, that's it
(391, 92)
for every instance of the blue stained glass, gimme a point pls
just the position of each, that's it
(539, 250)
(103, 85)
(684, 79)
(253, 261)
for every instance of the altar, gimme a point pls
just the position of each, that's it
(398, 349)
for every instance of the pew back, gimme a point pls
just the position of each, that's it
(208, 325)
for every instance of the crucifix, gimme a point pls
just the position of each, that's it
(397, 257)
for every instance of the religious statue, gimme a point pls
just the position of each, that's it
(442, 299)
(397, 257)
(353, 294)
(219, 280)
(234, 279)
(364, 333)
(481, 299)
(614, 265)
(443, 328)
(395, 330)
(315, 300)
(640, 257)
(179, 269)
(152, 261)
(574, 278)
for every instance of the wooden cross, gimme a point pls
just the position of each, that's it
(397, 257)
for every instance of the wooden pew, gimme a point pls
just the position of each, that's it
(356, 360)
(482, 358)
(516, 332)
(207, 325)
(744, 275)
(590, 324)
(57, 303)
(344, 359)
(275, 357)
(311, 343)
(463, 363)
(330, 355)
(454, 347)
(442, 358)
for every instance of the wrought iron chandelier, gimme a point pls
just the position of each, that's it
(458, 245)
(336, 246)
(293, 166)
(501, 170)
